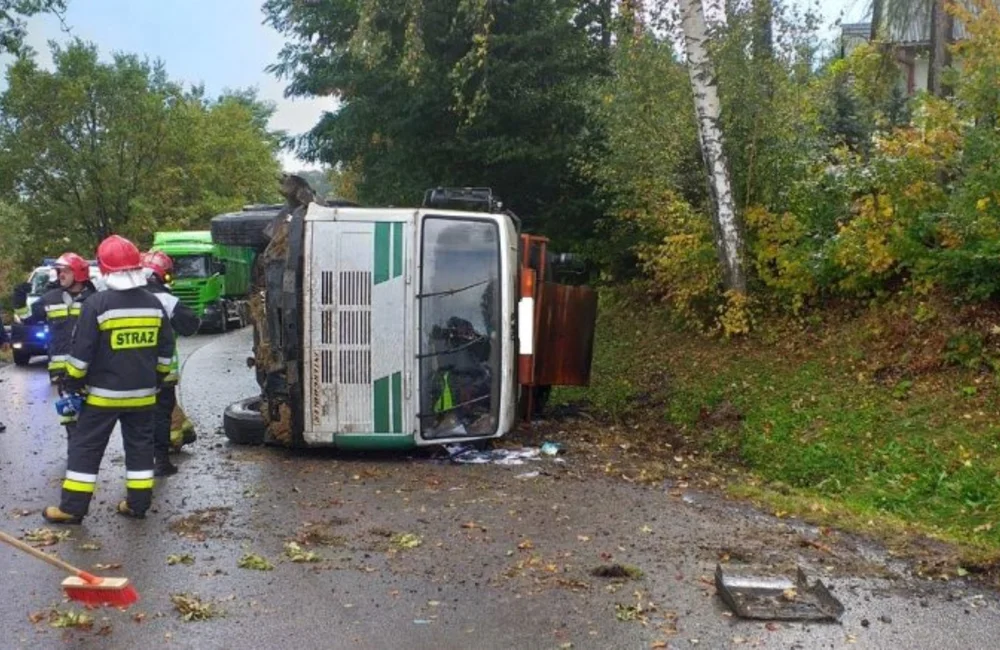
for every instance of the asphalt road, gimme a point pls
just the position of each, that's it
(421, 553)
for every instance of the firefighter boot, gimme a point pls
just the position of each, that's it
(126, 511)
(55, 515)
(164, 467)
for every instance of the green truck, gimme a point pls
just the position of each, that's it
(212, 279)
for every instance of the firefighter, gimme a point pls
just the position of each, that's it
(184, 322)
(59, 307)
(120, 355)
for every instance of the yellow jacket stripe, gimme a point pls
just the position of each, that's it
(139, 484)
(121, 402)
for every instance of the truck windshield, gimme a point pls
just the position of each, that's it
(192, 266)
(459, 328)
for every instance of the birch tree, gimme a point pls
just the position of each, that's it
(728, 234)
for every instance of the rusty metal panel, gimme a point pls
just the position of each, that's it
(564, 336)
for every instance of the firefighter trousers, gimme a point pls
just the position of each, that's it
(166, 399)
(86, 449)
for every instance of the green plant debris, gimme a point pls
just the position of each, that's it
(185, 558)
(70, 619)
(193, 608)
(405, 541)
(626, 612)
(89, 546)
(46, 536)
(255, 562)
(296, 553)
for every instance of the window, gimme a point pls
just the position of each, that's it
(192, 266)
(460, 344)
(40, 281)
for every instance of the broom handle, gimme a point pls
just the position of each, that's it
(45, 557)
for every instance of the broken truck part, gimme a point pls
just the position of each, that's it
(378, 328)
(776, 597)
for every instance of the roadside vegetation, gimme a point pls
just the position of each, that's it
(884, 419)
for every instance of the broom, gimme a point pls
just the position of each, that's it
(82, 587)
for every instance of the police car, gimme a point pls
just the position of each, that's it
(32, 340)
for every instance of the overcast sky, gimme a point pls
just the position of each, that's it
(223, 44)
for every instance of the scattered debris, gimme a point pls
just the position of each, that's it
(769, 597)
(192, 525)
(625, 571)
(317, 534)
(89, 546)
(111, 566)
(406, 540)
(192, 608)
(295, 553)
(70, 619)
(45, 536)
(185, 558)
(471, 456)
(551, 448)
(525, 475)
(255, 562)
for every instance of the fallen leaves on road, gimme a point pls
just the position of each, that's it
(406, 541)
(185, 558)
(192, 526)
(295, 553)
(319, 534)
(89, 546)
(192, 608)
(70, 619)
(254, 562)
(45, 536)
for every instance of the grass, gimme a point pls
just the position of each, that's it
(879, 416)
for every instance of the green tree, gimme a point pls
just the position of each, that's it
(12, 15)
(453, 92)
(94, 148)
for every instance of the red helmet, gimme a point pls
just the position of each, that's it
(117, 254)
(79, 266)
(159, 263)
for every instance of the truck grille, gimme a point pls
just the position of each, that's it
(190, 297)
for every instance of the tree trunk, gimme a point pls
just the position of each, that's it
(728, 236)
(942, 24)
(876, 20)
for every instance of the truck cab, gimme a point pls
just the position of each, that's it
(210, 278)
(382, 328)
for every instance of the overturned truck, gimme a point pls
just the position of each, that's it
(389, 328)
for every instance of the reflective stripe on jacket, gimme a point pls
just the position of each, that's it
(121, 350)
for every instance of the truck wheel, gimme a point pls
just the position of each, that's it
(22, 358)
(242, 422)
(242, 228)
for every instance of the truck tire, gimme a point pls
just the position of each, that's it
(242, 422)
(242, 228)
(21, 358)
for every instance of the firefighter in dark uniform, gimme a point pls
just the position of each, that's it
(120, 355)
(184, 322)
(59, 307)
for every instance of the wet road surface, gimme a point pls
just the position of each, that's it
(419, 553)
